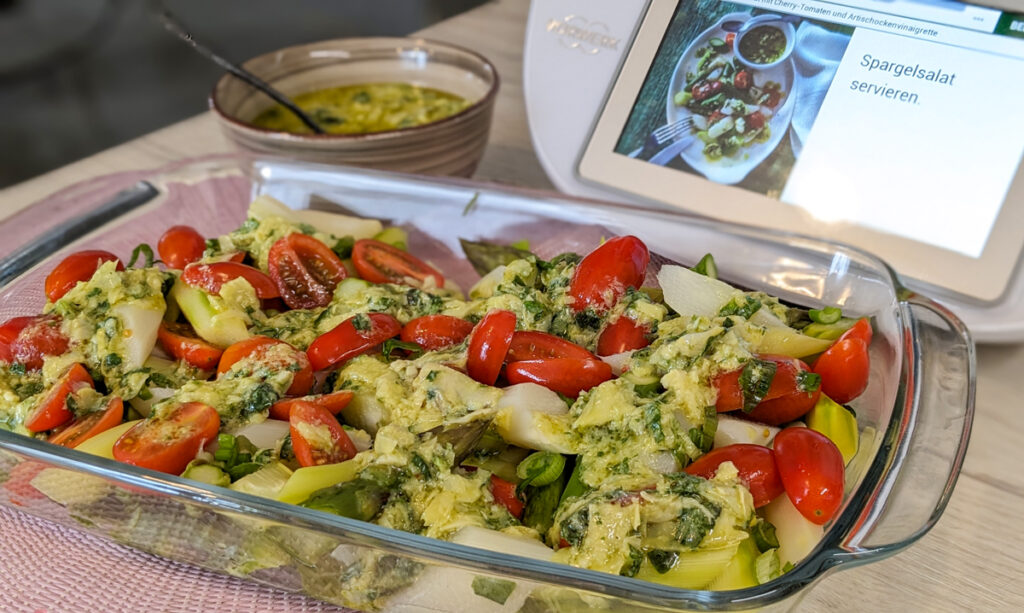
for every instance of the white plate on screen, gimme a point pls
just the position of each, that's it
(734, 168)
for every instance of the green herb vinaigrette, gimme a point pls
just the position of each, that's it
(366, 108)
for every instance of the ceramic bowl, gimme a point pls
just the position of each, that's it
(450, 146)
(774, 21)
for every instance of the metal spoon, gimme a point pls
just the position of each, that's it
(172, 25)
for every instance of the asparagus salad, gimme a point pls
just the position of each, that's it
(561, 410)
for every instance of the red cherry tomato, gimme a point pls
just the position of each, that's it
(621, 335)
(603, 276)
(27, 340)
(742, 80)
(488, 345)
(567, 376)
(74, 268)
(811, 469)
(169, 444)
(211, 277)
(180, 246)
(354, 336)
(754, 120)
(317, 437)
(532, 345)
(434, 332)
(861, 330)
(53, 411)
(379, 262)
(505, 495)
(756, 466)
(181, 342)
(88, 426)
(257, 348)
(785, 408)
(333, 402)
(705, 90)
(844, 369)
(784, 383)
(305, 271)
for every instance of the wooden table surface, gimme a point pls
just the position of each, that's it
(973, 560)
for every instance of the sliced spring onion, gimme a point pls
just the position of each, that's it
(540, 468)
(396, 237)
(706, 266)
(827, 315)
(767, 566)
(147, 256)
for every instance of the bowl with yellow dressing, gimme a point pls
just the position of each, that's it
(402, 104)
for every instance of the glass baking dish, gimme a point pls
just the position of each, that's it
(915, 415)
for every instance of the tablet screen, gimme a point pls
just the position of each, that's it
(901, 116)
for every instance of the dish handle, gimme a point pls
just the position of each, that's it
(927, 448)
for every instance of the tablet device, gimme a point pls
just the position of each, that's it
(893, 125)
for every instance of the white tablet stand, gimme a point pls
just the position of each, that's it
(572, 52)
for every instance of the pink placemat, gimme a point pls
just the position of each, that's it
(48, 568)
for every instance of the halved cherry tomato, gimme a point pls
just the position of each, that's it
(181, 342)
(621, 335)
(784, 383)
(488, 346)
(811, 469)
(27, 340)
(505, 494)
(304, 270)
(180, 246)
(256, 349)
(317, 437)
(844, 369)
(170, 443)
(88, 426)
(53, 411)
(533, 345)
(568, 376)
(602, 277)
(356, 335)
(754, 120)
(211, 277)
(756, 466)
(433, 332)
(74, 268)
(333, 402)
(742, 80)
(379, 262)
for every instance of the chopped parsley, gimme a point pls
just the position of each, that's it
(361, 322)
(755, 380)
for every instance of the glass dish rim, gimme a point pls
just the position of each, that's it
(827, 554)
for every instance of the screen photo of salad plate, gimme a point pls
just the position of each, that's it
(605, 409)
(723, 96)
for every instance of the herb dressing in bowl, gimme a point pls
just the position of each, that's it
(363, 109)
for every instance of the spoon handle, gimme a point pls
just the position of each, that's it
(172, 25)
